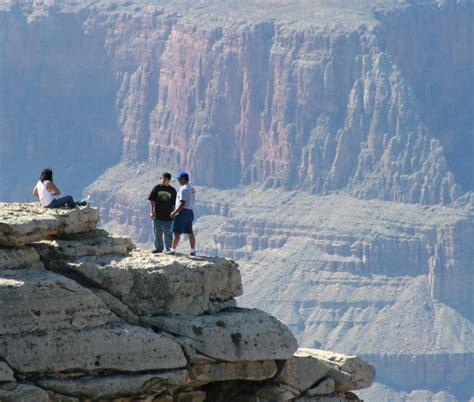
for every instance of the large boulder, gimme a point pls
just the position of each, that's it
(21, 224)
(112, 347)
(325, 387)
(349, 372)
(235, 335)
(231, 371)
(6, 373)
(84, 315)
(96, 243)
(25, 257)
(23, 393)
(49, 323)
(115, 386)
(302, 372)
(35, 300)
(151, 285)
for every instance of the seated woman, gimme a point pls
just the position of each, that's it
(46, 190)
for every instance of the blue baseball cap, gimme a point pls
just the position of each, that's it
(182, 175)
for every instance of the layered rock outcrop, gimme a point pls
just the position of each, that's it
(86, 316)
(373, 99)
(390, 280)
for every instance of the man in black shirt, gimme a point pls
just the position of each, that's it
(162, 199)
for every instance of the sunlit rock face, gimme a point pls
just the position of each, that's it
(85, 315)
(389, 280)
(432, 47)
(242, 93)
(365, 102)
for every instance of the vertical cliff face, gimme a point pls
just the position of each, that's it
(318, 110)
(58, 88)
(259, 100)
(432, 46)
(370, 101)
(391, 281)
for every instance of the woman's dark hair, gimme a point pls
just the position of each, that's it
(46, 174)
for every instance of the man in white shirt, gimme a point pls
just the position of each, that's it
(183, 214)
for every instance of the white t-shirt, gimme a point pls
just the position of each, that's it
(46, 197)
(187, 194)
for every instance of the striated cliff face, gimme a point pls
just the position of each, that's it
(433, 51)
(389, 280)
(58, 89)
(371, 101)
(87, 316)
(392, 282)
(322, 104)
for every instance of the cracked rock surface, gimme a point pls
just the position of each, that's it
(85, 315)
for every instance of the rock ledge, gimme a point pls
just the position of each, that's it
(87, 316)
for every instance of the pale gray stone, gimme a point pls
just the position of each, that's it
(192, 396)
(274, 392)
(235, 335)
(193, 356)
(228, 371)
(96, 243)
(35, 300)
(23, 393)
(325, 387)
(6, 373)
(114, 347)
(25, 223)
(163, 284)
(361, 373)
(114, 386)
(301, 372)
(116, 306)
(16, 258)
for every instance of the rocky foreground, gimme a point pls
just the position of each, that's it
(87, 316)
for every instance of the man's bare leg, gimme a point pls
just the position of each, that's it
(192, 241)
(176, 238)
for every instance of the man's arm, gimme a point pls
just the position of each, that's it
(173, 198)
(181, 205)
(152, 209)
(35, 192)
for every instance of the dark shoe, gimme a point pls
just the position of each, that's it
(193, 253)
(154, 251)
(81, 203)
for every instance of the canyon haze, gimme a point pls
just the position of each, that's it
(331, 145)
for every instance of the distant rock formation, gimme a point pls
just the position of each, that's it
(370, 99)
(239, 93)
(391, 281)
(87, 316)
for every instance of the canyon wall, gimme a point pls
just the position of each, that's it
(86, 316)
(240, 98)
(389, 280)
(340, 139)
(57, 94)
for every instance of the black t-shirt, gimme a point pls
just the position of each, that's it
(165, 198)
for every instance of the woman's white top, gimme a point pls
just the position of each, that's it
(46, 197)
